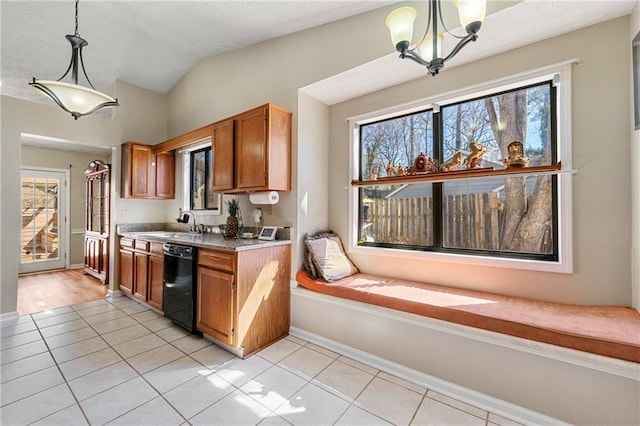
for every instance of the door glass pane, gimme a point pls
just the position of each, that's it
(39, 219)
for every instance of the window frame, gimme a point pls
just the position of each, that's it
(560, 74)
(187, 162)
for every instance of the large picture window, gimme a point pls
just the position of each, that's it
(514, 217)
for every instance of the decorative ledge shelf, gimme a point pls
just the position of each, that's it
(464, 174)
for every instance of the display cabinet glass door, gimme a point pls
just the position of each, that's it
(96, 237)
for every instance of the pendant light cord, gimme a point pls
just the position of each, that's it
(77, 17)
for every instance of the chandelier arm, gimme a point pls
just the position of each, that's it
(468, 39)
(85, 71)
(447, 29)
(102, 105)
(68, 68)
(415, 57)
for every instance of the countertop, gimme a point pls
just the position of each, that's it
(207, 241)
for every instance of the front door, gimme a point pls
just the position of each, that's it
(44, 237)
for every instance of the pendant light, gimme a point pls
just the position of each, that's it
(71, 97)
(428, 51)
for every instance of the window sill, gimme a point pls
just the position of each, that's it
(564, 267)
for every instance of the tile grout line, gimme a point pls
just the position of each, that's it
(415, 413)
(63, 378)
(57, 364)
(132, 367)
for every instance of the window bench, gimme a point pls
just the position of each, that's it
(609, 331)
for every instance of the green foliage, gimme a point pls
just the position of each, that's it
(232, 206)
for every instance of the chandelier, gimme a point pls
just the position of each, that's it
(71, 97)
(428, 50)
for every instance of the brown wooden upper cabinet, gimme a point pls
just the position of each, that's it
(251, 151)
(222, 155)
(262, 138)
(145, 174)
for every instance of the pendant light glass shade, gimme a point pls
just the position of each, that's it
(470, 11)
(400, 24)
(75, 99)
(426, 47)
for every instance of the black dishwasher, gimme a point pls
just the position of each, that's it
(180, 285)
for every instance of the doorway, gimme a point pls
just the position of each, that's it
(44, 195)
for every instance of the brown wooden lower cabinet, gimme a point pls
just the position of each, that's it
(243, 297)
(216, 289)
(96, 256)
(156, 282)
(141, 270)
(126, 270)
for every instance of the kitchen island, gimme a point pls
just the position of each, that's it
(242, 285)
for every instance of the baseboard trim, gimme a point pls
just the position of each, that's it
(9, 316)
(115, 293)
(477, 399)
(76, 266)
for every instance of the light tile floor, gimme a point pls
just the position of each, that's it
(114, 361)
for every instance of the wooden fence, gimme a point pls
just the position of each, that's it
(471, 220)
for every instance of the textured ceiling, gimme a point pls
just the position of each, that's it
(152, 44)
(511, 27)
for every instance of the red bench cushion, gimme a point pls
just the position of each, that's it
(604, 330)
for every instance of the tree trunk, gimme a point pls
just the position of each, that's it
(524, 220)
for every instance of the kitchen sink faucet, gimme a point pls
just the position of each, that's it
(185, 219)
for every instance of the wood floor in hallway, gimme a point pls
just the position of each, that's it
(54, 289)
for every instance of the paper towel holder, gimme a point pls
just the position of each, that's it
(264, 197)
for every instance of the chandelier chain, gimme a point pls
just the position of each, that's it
(77, 17)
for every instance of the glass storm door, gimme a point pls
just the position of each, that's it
(43, 236)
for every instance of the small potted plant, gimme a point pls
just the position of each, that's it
(232, 227)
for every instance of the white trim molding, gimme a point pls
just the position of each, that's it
(505, 375)
(560, 74)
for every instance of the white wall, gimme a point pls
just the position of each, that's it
(313, 166)
(141, 116)
(600, 91)
(222, 86)
(635, 179)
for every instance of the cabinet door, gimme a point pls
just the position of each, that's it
(251, 149)
(142, 176)
(165, 175)
(141, 275)
(91, 255)
(215, 304)
(104, 259)
(156, 282)
(222, 152)
(126, 271)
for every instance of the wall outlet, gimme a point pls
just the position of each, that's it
(123, 214)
